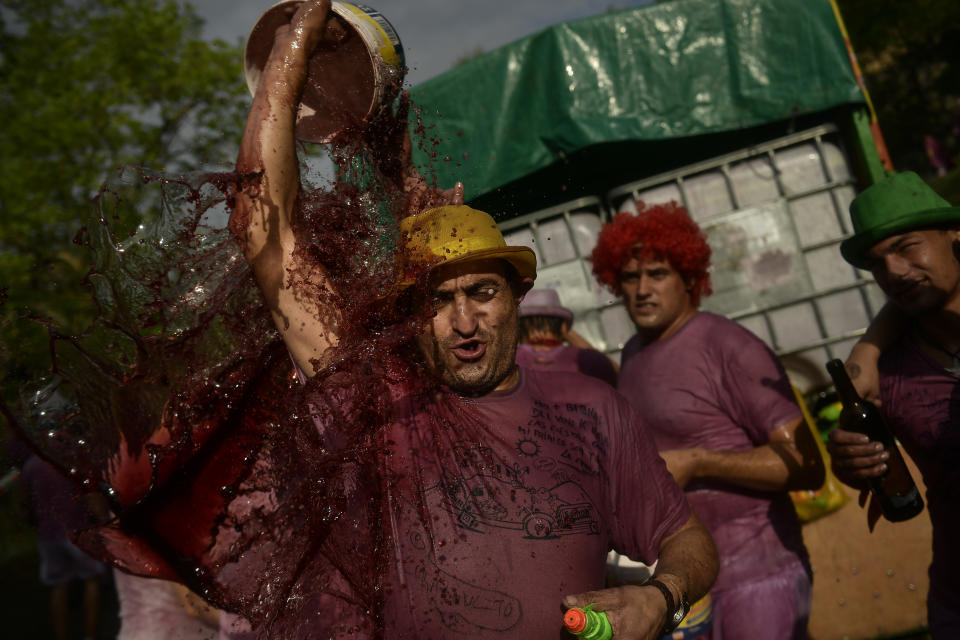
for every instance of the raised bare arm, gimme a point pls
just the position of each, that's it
(300, 299)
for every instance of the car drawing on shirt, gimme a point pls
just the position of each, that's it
(482, 501)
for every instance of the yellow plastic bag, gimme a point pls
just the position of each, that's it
(811, 505)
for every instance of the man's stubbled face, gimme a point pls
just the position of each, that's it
(656, 297)
(918, 270)
(471, 341)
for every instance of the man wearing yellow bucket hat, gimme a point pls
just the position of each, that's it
(498, 490)
(909, 237)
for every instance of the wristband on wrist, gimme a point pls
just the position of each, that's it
(676, 611)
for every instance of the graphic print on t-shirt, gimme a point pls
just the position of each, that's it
(540, 502)
(462, 606)
(499, 494)
(570, 427)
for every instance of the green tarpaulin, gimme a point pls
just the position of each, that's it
(667, 71)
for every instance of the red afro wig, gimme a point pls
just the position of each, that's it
(664, 232)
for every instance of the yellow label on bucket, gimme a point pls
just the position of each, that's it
(387, 51)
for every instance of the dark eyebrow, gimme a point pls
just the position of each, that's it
(469, 289)
(482, 284)
(438, 295)
(901, 240)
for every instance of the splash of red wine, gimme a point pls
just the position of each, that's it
(191, 418)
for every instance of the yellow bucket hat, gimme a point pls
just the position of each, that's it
(456, 233)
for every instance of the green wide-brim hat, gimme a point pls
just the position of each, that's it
(896, 204)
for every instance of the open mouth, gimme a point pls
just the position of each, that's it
(470, 350)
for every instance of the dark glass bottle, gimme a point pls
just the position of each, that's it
(895, 490)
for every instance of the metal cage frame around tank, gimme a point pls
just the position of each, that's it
(805, 183)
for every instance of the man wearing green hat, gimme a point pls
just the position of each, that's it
(478, 499)
(909, 238)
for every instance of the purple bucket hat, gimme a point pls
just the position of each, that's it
(545, 302)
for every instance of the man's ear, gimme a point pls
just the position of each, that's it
(521, 287)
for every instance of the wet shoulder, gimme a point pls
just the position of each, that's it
(720, 334)
(568, 386)
(717, 326)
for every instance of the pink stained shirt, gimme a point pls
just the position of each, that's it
(564, 357)
(497, 507)
(921, 403)
(715, 385)
(522, 506)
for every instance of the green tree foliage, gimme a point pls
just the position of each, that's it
(908, 52)
(88, 86)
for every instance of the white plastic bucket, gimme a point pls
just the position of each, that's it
(346, 81)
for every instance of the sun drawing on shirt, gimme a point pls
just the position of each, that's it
(527, 447)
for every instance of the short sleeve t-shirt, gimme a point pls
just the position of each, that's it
(501, 514)
(457, 518)
(565, 357)
(715, 385)
(921, 403)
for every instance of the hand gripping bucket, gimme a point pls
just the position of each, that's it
(347, 80)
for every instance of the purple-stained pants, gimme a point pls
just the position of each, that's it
(776, 607)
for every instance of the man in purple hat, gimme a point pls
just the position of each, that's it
(909, 238)
(548, 341)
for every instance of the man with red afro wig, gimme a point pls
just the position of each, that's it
(666, 231)
(723, 415)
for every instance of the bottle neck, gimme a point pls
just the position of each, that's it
(845, 389)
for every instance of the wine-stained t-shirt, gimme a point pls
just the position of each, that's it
(715, 385)
(398, 510)
(565, 357)
(921, 403)
(500, 506)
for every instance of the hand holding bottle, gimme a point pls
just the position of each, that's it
(864, 454)
(854, 460)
